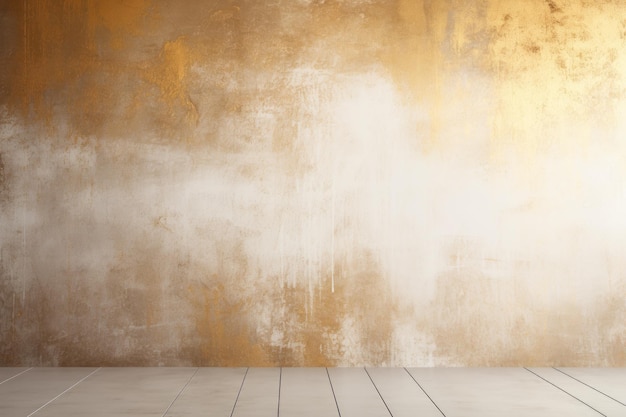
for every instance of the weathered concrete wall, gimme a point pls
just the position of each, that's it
(310, 182)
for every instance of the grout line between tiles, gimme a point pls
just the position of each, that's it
(180, 392)
(573, 396)
(595, 389)
(15, 376)
(379, 394)
(424, 391)
(81, 380)
(280, 382)
(333, 391)
(239, 392)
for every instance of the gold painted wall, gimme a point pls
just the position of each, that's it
(313, 182)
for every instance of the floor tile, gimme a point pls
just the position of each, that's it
(402, 394)
(8, 373)
(306, 392)
(31, 390)
(610, 381)
(121, 392)
(211, 392)
(593, 398)
(356, 394)
(318, 392)
(259, 393)
(495, 392)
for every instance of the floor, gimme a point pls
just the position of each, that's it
(319, 392)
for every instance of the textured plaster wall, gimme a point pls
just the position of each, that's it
(310, 182)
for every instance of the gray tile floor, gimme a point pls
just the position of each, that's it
(319, 392)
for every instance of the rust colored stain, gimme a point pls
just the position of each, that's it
(312, 183)
(170, 75)
(59, 44)
(222, 335)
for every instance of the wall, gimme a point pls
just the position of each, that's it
(310, 182)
